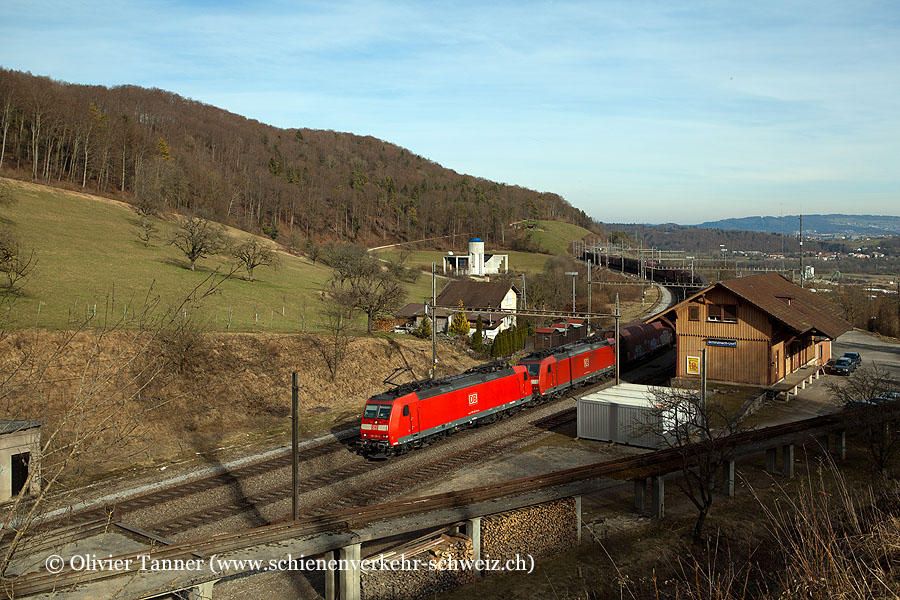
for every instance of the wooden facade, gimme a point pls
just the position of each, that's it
(744, 342)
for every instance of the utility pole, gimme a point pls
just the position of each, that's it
(574, 275)
(801, 250)
(589, 306)
(295, 442)
(433, 372)
(703, 379)
(524, 294)
(617, 338)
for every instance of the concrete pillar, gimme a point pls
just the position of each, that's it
(729, 478)
(578, 518)
(658, 496)
(640, 495)
(473, 531)
(203, 591)
(787, 460)
(350, 587)
(329, 577)
(771, 455)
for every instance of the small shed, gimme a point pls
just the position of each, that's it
(631, 414)
(20, 454)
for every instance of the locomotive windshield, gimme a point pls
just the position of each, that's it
(377, 411)
(534, 369)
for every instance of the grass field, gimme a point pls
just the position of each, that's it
(90, 262)
(554, 236)
(88, 258)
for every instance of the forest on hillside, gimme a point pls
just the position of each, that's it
(162, 152)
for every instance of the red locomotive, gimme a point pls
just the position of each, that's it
(557, 370)
(421, 411)
(418, 412)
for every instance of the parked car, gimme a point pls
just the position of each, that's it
(880, 398)
(843, 366)
(854, 357)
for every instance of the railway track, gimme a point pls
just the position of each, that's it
(367, 492)
(119, 509)
(358, 495)
(631, 467)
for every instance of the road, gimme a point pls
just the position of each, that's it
(816, 399)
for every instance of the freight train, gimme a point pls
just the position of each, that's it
(654, 271)
(417, 413)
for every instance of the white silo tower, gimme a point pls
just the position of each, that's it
(476, 256)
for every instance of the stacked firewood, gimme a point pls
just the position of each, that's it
(540, 530)
(436, 569)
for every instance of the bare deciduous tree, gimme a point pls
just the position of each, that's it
(363, 283)
(147, 231)
(15, 262)
(98, 414)
(876, 398)
(198, 238)
(334, 345)
(254, 253)
(697, 430)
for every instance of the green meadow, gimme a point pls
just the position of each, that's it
(89, 262)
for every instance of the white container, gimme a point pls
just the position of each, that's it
(630, 414)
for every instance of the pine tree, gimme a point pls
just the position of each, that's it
(460, 323)
(478, 336)
(424, 330)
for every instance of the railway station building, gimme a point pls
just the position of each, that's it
(756, 330)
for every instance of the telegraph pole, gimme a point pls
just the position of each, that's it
(295, 441)
(433, 323)
(617, 338)
(589, 306)
(524, 295)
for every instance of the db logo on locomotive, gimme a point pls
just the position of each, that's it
(473, 399)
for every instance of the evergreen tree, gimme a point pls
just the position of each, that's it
(478, 336)
(424, 330)
(460, 323)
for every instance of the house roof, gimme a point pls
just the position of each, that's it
(413, 309)
(806, 311)
(475, 294)
(12, 426)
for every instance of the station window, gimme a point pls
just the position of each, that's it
(722, 313)
(693, 313)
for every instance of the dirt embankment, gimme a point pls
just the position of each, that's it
(126, 399)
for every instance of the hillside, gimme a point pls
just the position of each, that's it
(89, 258)
(830, 225)
(669, 236)
(162, 152)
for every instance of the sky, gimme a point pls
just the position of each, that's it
(633, 111)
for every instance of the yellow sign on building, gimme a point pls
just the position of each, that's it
(693, 365)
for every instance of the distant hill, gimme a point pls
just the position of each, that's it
(163, 152)
(851, 225)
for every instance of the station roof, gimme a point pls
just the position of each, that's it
(772, 293)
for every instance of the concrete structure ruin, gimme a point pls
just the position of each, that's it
(20, 455)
